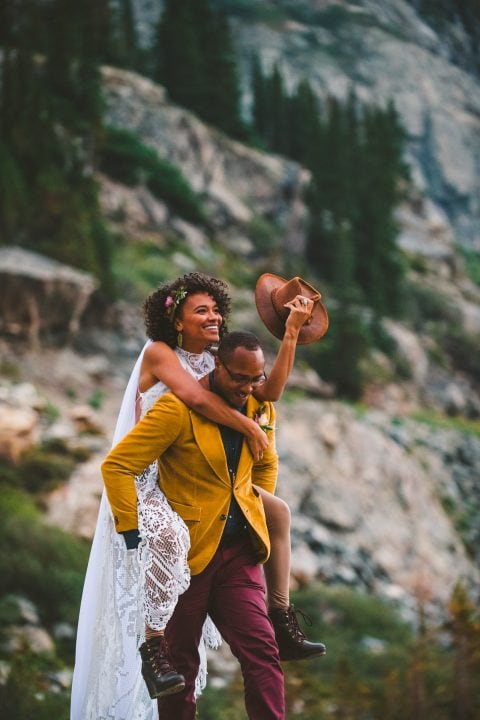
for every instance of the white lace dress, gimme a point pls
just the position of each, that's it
(165, 538)
(107, 682)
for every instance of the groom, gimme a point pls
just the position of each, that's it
(207, 475)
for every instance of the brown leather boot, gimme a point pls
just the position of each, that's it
(292, 643)
(159, 675)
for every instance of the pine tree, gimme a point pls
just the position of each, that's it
(304, 127)
(260, 110)
(328, 197)
(180, 63)
(465, 633)
(277, 102)
(197, 63)
(379, 268)
(129, 34)
(50, 103)
(221, 79)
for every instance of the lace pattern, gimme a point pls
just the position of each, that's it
(163, 552)
(116, 630)
(107, 680)
(165, 538)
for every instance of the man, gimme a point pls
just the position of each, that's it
(207, 474)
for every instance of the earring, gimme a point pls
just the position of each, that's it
(179, 339)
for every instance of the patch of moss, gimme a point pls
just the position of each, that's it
(124, 157)
(472, 264)
(438, 420)
(43, 467)
(27, 692)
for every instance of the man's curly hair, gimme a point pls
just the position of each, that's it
(160, 321)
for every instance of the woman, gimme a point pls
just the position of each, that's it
(190, 312)
(184, 319)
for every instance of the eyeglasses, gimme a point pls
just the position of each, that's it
(244, 379)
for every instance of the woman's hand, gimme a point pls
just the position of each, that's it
(257, 440)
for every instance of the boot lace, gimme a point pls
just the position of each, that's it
(292, 623)
(158, 655)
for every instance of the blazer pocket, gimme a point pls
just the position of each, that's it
(190, 514)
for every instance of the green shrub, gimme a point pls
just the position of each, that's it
(124, 157)
(51, 412)
(139, 267)
(263, 234)
(10, 370)
(418, 263)
(96, 399)
(43, 467)
(266, 12)
(341, 355)
(26, 693)
(43, 563)
(424, 304)
(472, 264)
(437, 420)
(464, 350)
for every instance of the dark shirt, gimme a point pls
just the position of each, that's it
(232, 443)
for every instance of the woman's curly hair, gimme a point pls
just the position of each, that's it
(160, 315)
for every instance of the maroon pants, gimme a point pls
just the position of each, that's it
(231, 590)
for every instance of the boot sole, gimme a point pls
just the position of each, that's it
(155, 694)
(305, 657)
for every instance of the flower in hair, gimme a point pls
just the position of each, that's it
(173, 301)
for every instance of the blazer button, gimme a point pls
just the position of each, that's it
(223, 518)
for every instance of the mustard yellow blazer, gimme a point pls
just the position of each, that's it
(193, 475)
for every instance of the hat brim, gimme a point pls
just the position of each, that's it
(317, 325)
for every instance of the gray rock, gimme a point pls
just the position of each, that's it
(36, 639)
(235, 181)
(40, 296)
(370, 509)
(19, 431)
(17, 609)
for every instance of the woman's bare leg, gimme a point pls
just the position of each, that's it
(292, 642)
(277, 567)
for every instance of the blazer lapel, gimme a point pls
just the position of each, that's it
(246, 460)
(209, 441)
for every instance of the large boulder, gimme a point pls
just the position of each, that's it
(19, 431)
(40, 297)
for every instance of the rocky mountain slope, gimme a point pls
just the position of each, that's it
(384, 50)
(237, 183)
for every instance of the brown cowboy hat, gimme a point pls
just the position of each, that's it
(271, 294)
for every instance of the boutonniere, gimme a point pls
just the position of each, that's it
(261, 418)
